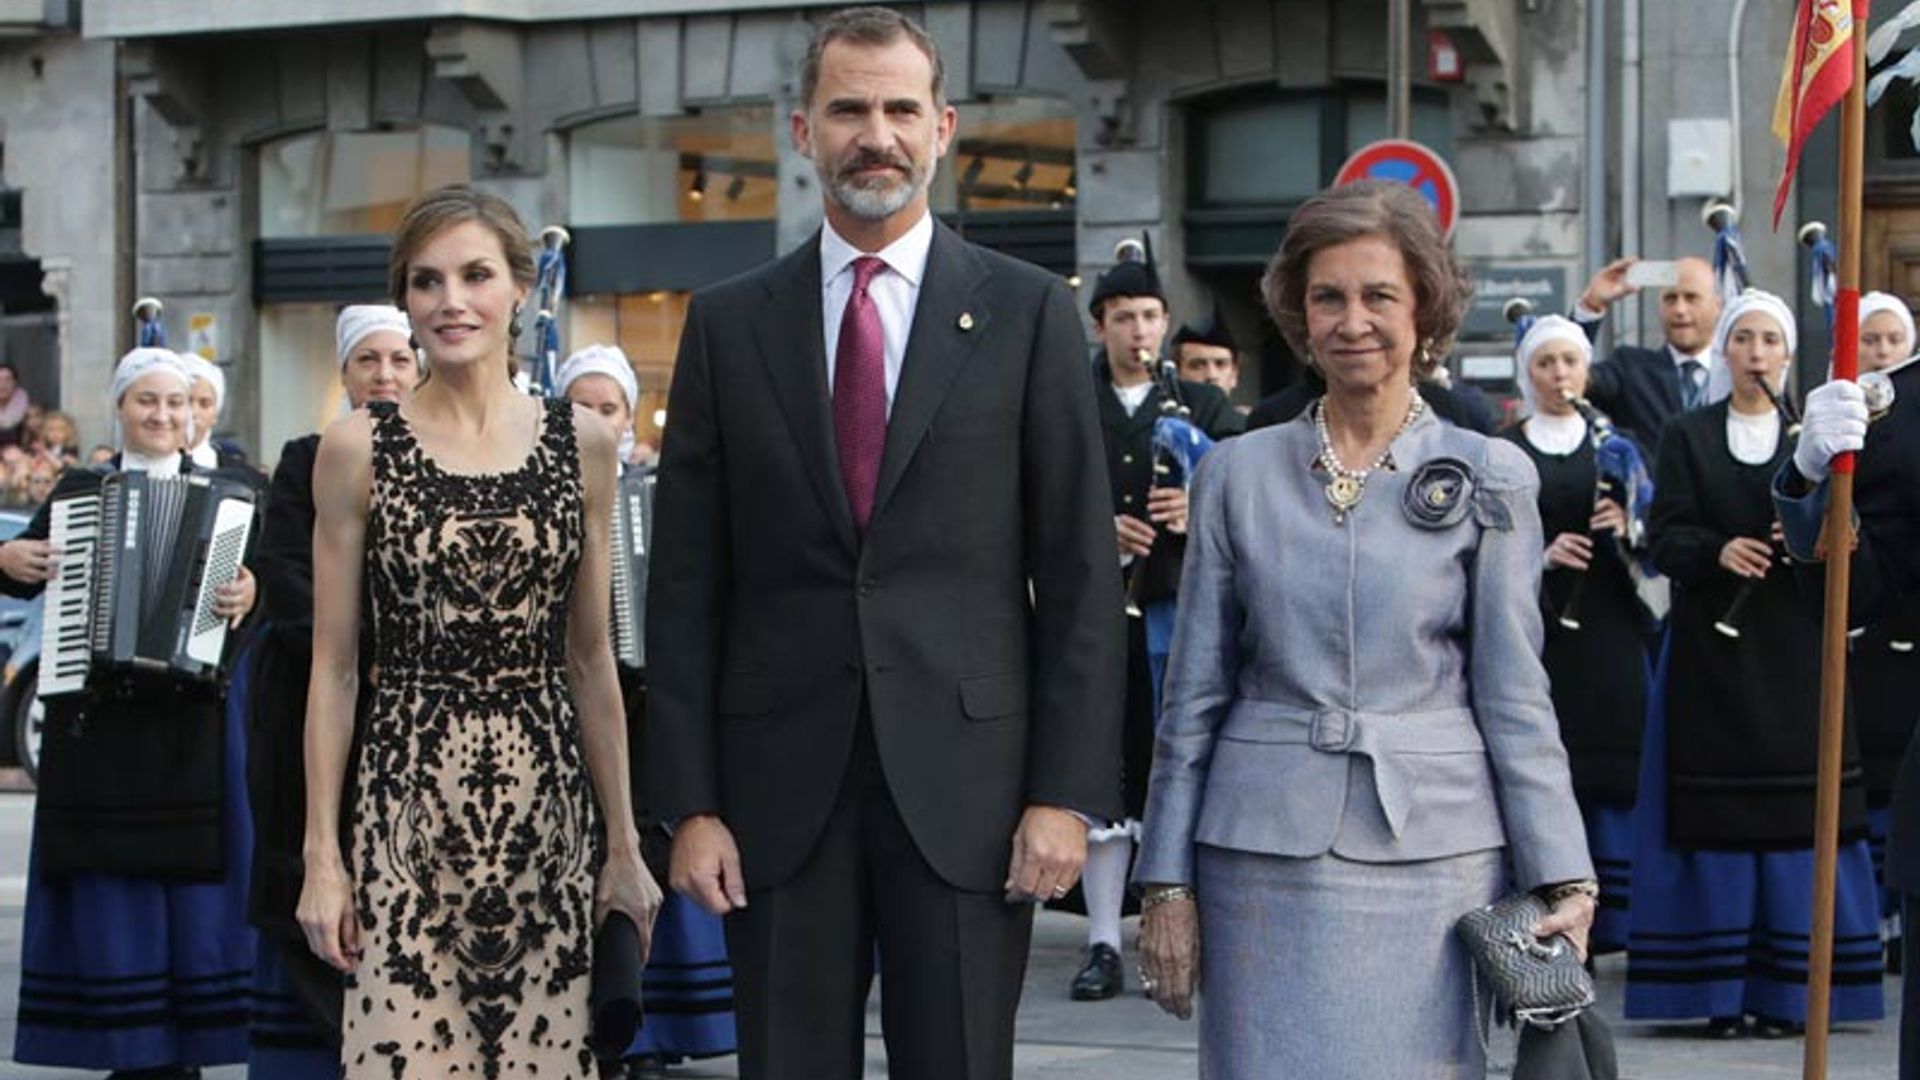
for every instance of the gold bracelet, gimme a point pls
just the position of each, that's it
(1588, 888)
(1167, 895)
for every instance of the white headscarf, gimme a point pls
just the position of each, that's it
(137, 365)
(1719, 378)
(1547, 328)
(606, 360)
(200, 367)
(1875, 302)
(356, 321)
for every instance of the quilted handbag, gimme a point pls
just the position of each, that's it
(1543, 982)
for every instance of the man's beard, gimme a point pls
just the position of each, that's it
(876, 202)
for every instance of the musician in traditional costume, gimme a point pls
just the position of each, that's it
(137, 956)
(209, 404)
(1595, 618)
(1203, 350)
(1129, 311)
(1884, 667)
(1886, 575)
(688, 981)
(1723, 854)
(296, 1022)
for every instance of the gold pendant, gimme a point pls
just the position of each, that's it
(1344, 493)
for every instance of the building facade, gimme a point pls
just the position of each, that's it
(244, 162)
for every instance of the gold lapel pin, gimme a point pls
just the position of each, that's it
(966, 320)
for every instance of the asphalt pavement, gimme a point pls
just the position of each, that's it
(1123, 1039)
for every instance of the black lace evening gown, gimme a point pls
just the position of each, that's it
(475, 842)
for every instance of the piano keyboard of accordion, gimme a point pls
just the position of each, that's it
(140, 560)
(632, 535)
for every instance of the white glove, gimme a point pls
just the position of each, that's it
(1835, 423)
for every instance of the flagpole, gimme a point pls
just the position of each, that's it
(1838, 542)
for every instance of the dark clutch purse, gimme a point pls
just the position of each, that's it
(613, 1003)
(1543, 982)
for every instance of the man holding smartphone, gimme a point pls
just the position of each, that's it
(1641, 389)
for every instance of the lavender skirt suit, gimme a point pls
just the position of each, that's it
(1357, 746)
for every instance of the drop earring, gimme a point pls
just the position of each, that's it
(513, 323)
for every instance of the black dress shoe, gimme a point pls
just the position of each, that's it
(1099, 978)
(1766, 1027)
(164, 1072)
(1727, 1027)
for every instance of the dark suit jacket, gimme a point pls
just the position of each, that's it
(771, 624)
(1639, 389)
(1129, 444)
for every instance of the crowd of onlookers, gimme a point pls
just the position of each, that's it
(36, 442)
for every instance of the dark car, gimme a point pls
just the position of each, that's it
(21, 715)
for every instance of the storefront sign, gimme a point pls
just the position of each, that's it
(1494, 284)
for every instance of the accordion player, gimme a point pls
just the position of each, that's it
(135, 592)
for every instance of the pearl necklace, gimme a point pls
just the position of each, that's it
(1345, 487)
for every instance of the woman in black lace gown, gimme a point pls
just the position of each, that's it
(492, 827)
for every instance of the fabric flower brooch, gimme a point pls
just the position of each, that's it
(1443, 491)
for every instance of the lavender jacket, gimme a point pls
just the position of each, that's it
(1372, 689)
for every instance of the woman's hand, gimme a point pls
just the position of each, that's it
(626, 886)
(1572, 916)
(326, 913)
(1570, 550)
(29, 561)
(233, 600)
(1170, 955)
(1608, 517)
(1747, 557)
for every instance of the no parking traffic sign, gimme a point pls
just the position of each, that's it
(1412, 164)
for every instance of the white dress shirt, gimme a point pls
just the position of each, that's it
(895, 292)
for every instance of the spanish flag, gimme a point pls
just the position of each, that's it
(1818, 70)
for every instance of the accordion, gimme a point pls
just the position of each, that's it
(140, 559)
(632, 535)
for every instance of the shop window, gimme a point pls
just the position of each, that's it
(353, 183)
(717, 165)
(1235, 159)
(1013, 155)
(321, 197)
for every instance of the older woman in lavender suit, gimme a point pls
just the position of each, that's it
(1357, 745)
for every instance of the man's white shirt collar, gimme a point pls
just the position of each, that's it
(1681, 358)
(906, 256)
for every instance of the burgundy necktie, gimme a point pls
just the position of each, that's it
(860, 393)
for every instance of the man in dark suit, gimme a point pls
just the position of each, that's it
(885, 618)
(1129, 310)
(1641, 389)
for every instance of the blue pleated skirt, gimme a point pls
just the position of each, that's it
(124, 972)
(688, 986)
(284, 1043)
(1727, 933)
(1610, 842)
(1878, 822)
